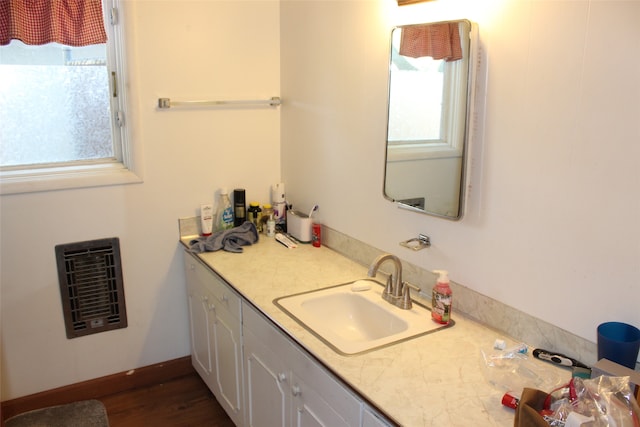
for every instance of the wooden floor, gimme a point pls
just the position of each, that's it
(185, 401)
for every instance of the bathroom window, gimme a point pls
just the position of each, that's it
(63, 113)
(426, 104)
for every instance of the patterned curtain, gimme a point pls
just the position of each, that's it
(37, 22)
(439, 41)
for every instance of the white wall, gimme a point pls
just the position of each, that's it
(182, 50)
(552, 222)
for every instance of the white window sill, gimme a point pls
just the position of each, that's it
(406, 152)
(62, 178)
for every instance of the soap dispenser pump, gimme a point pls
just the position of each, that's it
(441, 299)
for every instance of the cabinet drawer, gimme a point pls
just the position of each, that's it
(197, 272)
(261, 327)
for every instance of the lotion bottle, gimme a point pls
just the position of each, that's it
(441, 299)
(206, 218)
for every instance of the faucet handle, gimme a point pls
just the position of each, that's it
(389, 287)
(406, 303)
(387, 294)
(408, 285)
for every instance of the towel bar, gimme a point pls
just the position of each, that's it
(164, 103)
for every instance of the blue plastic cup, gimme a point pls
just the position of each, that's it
(619, 342)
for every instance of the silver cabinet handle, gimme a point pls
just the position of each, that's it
(295, 390)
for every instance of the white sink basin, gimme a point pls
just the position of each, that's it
(353, 318)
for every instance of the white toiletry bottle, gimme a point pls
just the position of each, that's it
(441, 299)
(279, 203)
(224, 218)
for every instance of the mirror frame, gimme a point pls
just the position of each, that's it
(465, 144)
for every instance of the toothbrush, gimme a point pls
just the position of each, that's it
(285, 241)
(313, 209)
(557, 358)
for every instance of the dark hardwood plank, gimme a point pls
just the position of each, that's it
(184, 401)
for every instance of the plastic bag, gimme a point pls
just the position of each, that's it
(512, 370)
(598, 402)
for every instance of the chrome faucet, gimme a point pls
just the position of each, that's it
(396, 291)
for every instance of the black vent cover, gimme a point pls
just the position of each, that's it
(90, 275)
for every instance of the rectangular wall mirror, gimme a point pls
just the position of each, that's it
(427, 129)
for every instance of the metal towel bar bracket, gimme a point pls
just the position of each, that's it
(421, 242)
(164, 103)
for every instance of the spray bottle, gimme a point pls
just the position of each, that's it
(441, 299)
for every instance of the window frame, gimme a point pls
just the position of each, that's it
(124, 168)
(452, 123)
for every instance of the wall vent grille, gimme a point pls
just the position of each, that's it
(90, 276)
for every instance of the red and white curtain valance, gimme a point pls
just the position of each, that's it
(38, 22)
(439, 41)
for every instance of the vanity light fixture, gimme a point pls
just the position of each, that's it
(405, 2)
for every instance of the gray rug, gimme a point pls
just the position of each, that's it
(86, 413)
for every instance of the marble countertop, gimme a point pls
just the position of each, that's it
(433, 380)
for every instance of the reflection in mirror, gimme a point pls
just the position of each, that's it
(429, 85)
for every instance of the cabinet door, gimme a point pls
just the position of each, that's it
(266, 387)
(199, 322)
(216, 344)
(284, 386)
(319, 400)
(227, 359)
(311, 410)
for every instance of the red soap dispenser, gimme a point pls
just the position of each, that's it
(441, 299)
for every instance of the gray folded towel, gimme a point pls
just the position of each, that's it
(230, 240)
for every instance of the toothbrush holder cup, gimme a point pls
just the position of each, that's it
(619, 342)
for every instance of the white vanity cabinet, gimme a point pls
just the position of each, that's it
(259, 376)
(216, 345)
(285, 387)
